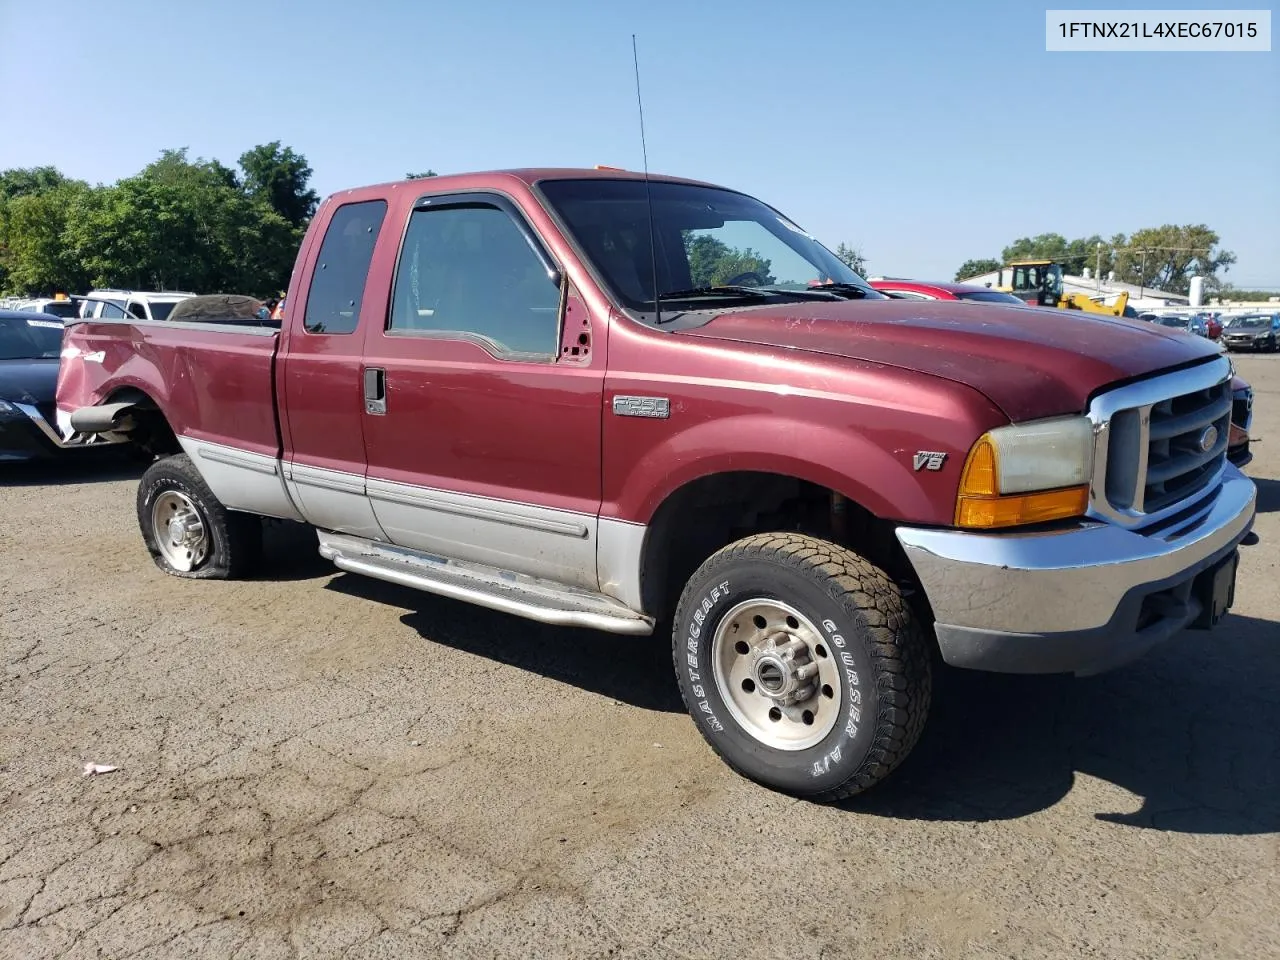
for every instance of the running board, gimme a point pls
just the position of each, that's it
(485, 586)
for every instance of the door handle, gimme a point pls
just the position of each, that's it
(375, 390)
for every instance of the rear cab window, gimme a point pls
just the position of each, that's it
(342, 268)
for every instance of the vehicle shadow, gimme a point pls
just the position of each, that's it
(86, 467)
(1190, 730)
(290, 551)
(631, 670)
(1268, 494)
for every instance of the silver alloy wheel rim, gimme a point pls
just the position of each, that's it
(179, 531)
(775, 673)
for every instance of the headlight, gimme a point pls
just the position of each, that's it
(1027, 473)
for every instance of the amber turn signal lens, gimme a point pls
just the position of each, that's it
(978, 479)
(1010, 511)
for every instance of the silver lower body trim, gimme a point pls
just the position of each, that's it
(242, 479)
(1056, 582)
(524, 596)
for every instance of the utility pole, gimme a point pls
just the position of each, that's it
(1097, 270)
(1142, 277)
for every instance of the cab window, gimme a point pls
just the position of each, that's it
(468, 271)
(342, 267)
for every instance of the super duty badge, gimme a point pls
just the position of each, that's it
(657, 407)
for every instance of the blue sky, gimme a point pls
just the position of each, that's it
(925, 133)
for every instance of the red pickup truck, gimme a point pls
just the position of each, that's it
(595, 399)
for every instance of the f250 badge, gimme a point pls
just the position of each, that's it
(656, 407)
(928, 460)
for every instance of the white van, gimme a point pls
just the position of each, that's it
(137, 304)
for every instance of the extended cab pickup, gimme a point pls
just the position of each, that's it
(814, 487)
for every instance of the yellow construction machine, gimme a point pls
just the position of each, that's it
(1039, 283)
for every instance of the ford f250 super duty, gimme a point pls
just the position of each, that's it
(599, 400)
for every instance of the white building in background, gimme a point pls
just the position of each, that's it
(1109, 289)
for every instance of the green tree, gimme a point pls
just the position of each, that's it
(1167, 257)
(28, 259)
(36, 257)
(974, 268)
(852, 258)
(19, 182)
(182, 224)
(1074, 255)
(279, 178)
(1228, 292)
(713, 262)
(419, 176)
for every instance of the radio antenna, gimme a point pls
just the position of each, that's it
(648, 192)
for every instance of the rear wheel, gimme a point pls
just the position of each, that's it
(802, 665)
(187, 530)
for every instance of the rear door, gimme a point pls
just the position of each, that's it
(323, 407)
(481, 425)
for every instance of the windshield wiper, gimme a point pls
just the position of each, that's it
(851, 291)
(722, 290)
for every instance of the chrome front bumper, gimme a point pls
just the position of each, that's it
(1078, 601)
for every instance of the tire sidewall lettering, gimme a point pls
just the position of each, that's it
(693, 649)
(850, 739)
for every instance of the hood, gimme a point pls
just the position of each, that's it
(29, 381)
(1031, 362)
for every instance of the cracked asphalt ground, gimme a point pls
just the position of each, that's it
(313, 764)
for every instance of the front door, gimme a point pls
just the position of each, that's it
(482, 432)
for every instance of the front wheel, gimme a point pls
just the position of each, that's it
(802, 665)
(187, 530)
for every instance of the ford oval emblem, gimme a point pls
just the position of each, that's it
(1208, 437)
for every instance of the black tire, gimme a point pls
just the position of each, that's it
(873, 636)
(235, 539)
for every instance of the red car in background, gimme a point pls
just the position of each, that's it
(921, 290)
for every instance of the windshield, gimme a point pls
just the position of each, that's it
(30, 339)
(706, 237)
(161, 310)
(992, 296)
(1251, 322)
(1172, 321)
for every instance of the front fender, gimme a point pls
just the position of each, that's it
(873, 468)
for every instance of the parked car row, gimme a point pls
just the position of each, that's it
(1203, 324)
(104, 303)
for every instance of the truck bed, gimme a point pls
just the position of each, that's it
(215, 380)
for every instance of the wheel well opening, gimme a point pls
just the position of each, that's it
(712, 512)
(150, 431)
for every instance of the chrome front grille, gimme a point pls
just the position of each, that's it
(1160, 443)
(1187, 444)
